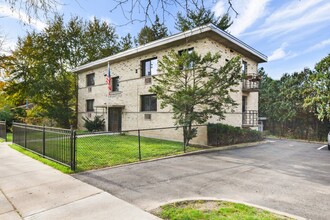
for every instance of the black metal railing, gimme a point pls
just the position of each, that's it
(250, 118)
(55, 144)
(250, 86)
(3, 130)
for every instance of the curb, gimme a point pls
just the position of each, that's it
(229, 200)
(297, 140)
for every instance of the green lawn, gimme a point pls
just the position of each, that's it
(110, 150)
(215, 210)
(98, 151)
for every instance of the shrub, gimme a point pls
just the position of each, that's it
(6, 115)
(97, 124)
(221, 135)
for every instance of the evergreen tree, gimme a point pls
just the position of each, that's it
(196, 91)
(318, 90)
(155, 32)
(126, 42)
(201, 17)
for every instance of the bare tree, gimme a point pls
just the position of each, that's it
(148, 7)
(33, 8)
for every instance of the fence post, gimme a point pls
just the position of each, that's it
(139, 139)
(5, 130)
(184, 139)
(25, 136)
(73, 149)
(217, 135)
(12, 127)
(43, 140)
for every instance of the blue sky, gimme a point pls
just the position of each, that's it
(293, 34)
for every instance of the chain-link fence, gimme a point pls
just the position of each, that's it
(56, 144)
(3, 130)
(97, 150)
(88, 150)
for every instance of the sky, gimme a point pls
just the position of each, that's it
(294, 34)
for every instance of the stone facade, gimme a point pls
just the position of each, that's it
(132, 85)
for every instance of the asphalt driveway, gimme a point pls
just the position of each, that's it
(288, 176)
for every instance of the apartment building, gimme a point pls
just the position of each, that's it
(130, 104)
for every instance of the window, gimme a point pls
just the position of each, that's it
(148, 103)
(149, 67)
(115, 84)
(90, 105)
(90, 79)
(191, 63)
(244, 63)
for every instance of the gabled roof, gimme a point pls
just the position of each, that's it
(209, 30)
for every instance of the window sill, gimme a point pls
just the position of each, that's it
(115, 93)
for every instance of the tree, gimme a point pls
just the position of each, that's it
(33, 8)
(318, 91)
(164, 8)
(145, 36)
(282, 103)
(199, 17)
(39, 69)
(100, 40)
(155, 32)
(196, 87)
(126, 42)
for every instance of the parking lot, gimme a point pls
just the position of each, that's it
(288, 176)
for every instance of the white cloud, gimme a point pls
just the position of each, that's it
(291, 10)
(294, 16)
(219, 8)
(248, 13)
(277, 54)
(319, 45)
(281, 53)
(21, 16)
(8, 46)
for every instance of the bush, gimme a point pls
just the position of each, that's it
(221, 135)
(94, 125)
(6, 115)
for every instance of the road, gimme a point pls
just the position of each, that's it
(288, 176)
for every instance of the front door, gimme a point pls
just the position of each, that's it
(114, 119)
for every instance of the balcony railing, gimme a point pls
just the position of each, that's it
(250, 86)
(250, 118)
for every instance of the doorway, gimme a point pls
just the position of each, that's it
(114, 119)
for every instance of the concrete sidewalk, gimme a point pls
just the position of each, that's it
(32, 190)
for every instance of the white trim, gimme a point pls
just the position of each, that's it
(173, 38)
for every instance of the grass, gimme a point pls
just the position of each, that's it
(215, 210)
(55, 165)
(98, 151)
(9, 137)
(110, 150)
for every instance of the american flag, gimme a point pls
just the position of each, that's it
(108, 79)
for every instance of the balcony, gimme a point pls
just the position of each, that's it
(250, 118)
(250, 86)
(251, 83)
